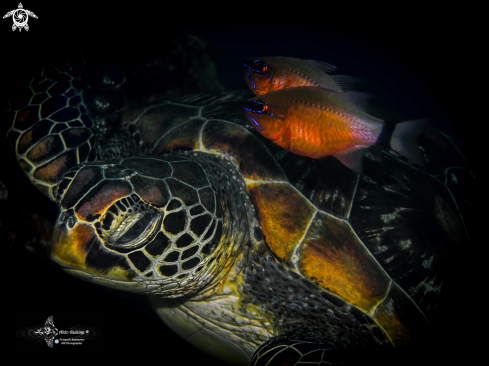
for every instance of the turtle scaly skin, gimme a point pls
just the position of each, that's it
(249, 252)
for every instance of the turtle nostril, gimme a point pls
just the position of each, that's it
(71, 222)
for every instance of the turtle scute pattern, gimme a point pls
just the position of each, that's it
(179, 219)
(304, 310)
(60, 118)
(165, 222)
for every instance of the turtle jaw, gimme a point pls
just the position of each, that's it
(80, 252)
(107, 282)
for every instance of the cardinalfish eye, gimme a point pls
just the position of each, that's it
(256, 106)
(256, 66)
(259, 67)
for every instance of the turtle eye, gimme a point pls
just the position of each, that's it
(259, 67)
(133, 231)
(256, 106)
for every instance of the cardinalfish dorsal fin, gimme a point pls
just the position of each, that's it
(361, 100)
(348, 82)
(343, 81)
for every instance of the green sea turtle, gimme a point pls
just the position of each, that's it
(249, 252)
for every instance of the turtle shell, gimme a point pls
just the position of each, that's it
(381, 241)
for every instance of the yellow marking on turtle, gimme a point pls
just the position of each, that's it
(284, 221)
(332, 256)
(400, 318)
(252, 182)
(70, 246)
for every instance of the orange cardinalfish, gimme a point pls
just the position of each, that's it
(317, 122)
(265, 74)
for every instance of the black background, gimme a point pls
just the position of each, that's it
(421, 60)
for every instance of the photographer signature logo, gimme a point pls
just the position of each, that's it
(49, 331)
(75, 335)
(20, 17)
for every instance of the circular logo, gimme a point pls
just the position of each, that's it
(20, 18)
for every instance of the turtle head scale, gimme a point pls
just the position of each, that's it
(148, 224)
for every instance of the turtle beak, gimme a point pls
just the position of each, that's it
(81, 253)
(69, 248)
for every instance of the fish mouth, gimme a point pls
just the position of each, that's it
(258, 127)
(248, 64)
(251, 119)
(246, 74)
(251, 80)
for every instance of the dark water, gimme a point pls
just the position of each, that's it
(413, 62)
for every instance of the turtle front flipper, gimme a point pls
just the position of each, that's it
(287, 351)
(64, 117)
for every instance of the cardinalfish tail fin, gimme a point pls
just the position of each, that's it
(403, 139)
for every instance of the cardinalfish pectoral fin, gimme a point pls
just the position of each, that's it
(286, 136)
(403, 139)
(353, 159)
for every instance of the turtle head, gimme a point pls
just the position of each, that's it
(152, 225)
